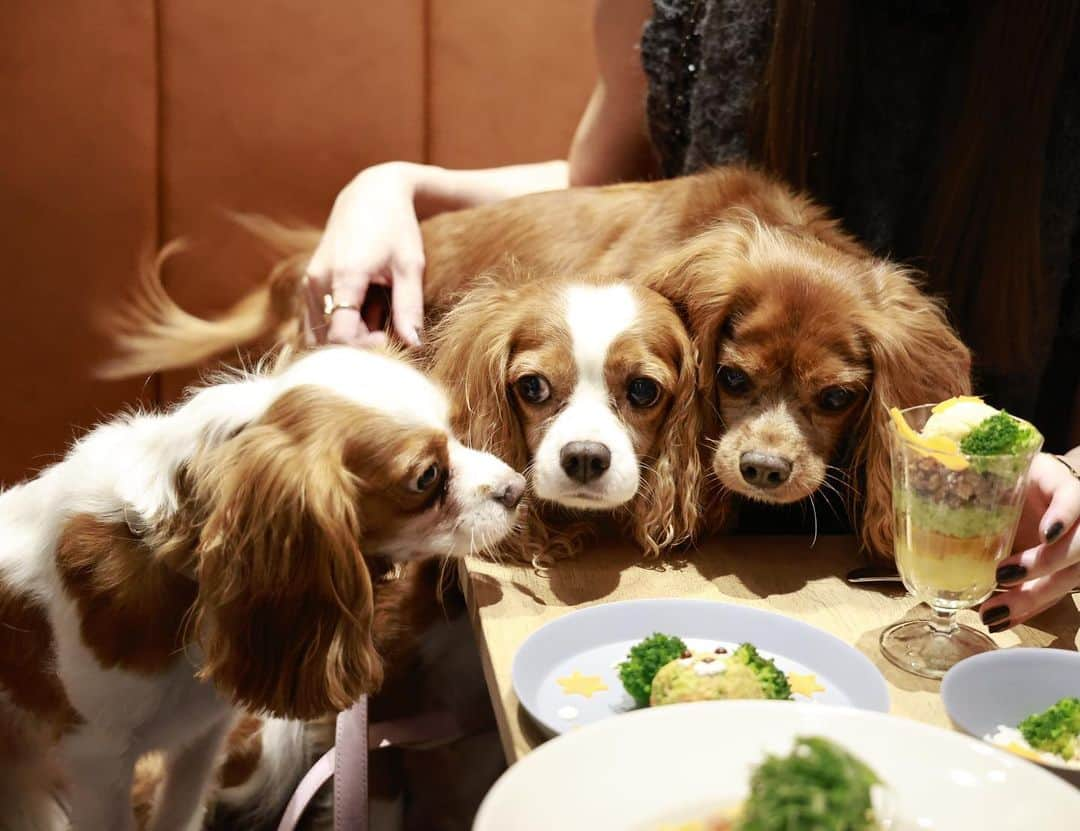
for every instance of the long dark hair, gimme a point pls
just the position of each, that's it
(980, 239)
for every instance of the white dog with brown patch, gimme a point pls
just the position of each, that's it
(175, 568)
(587, 384)
(586, 458)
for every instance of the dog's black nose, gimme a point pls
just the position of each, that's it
(510, 492)
(585, 460)
(764, 470)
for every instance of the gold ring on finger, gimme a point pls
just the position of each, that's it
(330, 305)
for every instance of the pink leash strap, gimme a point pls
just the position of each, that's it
(439, 726)
(351, 770)
(314, 779)
(347, 762)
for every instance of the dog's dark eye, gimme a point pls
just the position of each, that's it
(643, 392)
(534, 388)
(734, 380)
(428, 478)
(835, 399)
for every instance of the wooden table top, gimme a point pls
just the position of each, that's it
(783, 574)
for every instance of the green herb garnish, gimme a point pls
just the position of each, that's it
(1055, 730)
(998, 435)
(819, 787)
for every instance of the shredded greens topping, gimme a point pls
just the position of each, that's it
(819, 787)
(1056, 730)
(644, 661)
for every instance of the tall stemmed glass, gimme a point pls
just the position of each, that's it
(955, 517)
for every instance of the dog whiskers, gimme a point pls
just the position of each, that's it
(842, 477)
(831, 488)
(813, 511)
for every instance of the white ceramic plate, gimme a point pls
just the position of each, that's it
(593, 641)
(654, 766)
(1006, 686)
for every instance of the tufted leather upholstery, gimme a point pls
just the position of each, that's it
(130, 123)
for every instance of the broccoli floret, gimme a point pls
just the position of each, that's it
(1055, 730)
(644, 661)
(773, 682)
(819, 787)
(998, 435)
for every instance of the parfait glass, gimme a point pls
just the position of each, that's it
(955, 517)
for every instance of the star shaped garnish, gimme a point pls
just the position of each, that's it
(585, 685)
(804, 684)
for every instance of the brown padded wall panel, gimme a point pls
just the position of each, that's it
(509, 80)
(77, 208)
(272, 107)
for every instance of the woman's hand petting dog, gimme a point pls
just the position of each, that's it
(372, 238)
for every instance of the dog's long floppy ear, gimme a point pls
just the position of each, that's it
(285, 604)
(667, 508)
(469, 354)
(701, 279)
(917, 359)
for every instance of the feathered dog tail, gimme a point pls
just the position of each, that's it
(152, 333)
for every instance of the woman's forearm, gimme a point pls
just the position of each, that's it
(437, 189)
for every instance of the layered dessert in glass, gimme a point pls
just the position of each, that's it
(959, 476)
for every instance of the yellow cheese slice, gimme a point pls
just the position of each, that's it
(941, 448)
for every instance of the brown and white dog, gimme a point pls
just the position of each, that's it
(588, 385)
(175, 569)
(802, 336)
(804, 343)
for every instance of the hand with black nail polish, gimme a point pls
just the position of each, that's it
(1045, 564)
